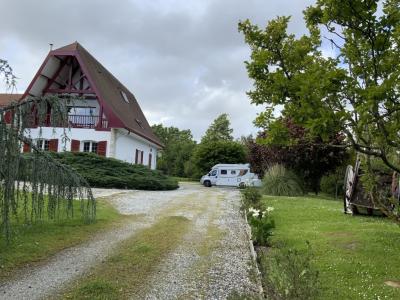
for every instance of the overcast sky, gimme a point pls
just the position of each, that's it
(182, 59)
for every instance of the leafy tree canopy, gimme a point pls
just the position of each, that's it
(357, 92)
(309, 158)
(209, 154)
(219, 130)
(179, 146)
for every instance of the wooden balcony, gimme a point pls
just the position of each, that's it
(74, 121)
(85, 121)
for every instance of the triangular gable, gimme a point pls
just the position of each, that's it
(118, 103)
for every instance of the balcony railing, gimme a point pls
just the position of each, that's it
(85, 121)
(74, 121)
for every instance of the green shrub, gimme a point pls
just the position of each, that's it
(105, 172)
(251, 197)
(332, 185)
(289, 274)
(278, 181)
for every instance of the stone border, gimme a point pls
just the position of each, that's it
(253, 255)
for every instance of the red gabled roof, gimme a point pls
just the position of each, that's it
(108, 89)
(6, 99)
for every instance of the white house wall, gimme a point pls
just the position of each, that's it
(121, 144)
(126, 144)
(81, 134)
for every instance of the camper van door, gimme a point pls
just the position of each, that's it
(223, 178)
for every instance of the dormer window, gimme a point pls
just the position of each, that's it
(124, 96)
(139, 123)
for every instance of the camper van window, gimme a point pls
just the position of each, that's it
(242, 172)
(213, 173)
(224, 172)
(233, 172)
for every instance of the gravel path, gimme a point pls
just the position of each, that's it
(213, 261)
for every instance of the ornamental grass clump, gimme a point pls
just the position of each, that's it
(279, 181)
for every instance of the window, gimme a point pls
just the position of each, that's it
(224, 172)
(90, 146)
(124, 96)
(81, 110)
(139, 123)
(43, 144)
(139, 157)
(214, 173)
(94, 147)
(243, 172)
(233, 172)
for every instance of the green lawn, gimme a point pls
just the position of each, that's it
(33, 243)
(355, 255)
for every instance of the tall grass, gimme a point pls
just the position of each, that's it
(278, 181)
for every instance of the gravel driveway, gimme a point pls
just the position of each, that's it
(213, 260)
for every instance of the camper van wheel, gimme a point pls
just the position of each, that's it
(207, 183)
(242, 185)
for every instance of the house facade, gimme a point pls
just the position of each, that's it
(107, 118)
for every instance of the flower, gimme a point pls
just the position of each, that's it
(255, 212)
(270, 208)
(267, 211)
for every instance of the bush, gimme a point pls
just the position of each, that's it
(105, 172)
(261, 225)
(251, 197)
(278, 181)
(289, 274)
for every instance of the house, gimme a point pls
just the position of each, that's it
(109, 121)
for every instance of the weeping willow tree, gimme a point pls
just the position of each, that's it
(35, 187)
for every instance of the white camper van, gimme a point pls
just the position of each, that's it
(230, 175)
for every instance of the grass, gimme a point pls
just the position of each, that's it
(125, 272)
(34, 243)
(355, 255)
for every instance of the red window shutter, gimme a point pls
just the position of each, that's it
(53, 145)
(26, 148)
(102, 148)
(8, 117)
(75, 145)
(150, 158)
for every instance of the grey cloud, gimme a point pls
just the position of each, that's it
(182, 59)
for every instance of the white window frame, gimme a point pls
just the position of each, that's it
(82, 146)
(42, 145)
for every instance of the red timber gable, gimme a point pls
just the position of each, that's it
(73, 70)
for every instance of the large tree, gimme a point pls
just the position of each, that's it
(35, 187)
(219, 130)
(178, 148)
(357, 91)
(217, 146)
